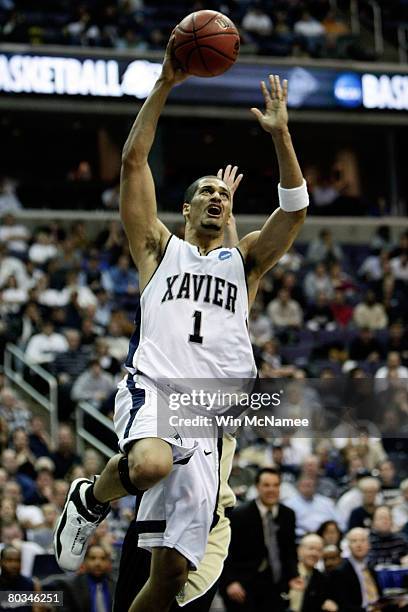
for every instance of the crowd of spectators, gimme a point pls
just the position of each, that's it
(326, 310)
(296, 28)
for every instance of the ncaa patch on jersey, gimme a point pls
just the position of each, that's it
(224, 255)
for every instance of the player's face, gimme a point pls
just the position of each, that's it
(210, 208)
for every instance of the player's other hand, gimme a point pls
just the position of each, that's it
(274, 119)
(171, 72)
(236, 592)
(228, 175)
(230, 178)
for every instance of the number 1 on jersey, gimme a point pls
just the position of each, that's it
(195, 336)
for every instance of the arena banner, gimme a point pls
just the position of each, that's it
(113, 78)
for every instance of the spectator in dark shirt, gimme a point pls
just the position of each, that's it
(398, 341)
(311, 594)
(88, 334)
(387, 548)
(24, 456)
(389, 483)
(366, 347)
(11, 578)
(331, 558)
(106, 361)
(40, 442)
(42, 493)
(92, 275)
(67, 367)
(10, 464)
(319, 315)
(354, 585)
(363, 515)
(291, 283)
(64, 456)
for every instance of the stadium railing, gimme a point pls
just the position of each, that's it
(84, 435)
(348, 229)
(16, 368)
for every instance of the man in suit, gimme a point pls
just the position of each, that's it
(312, 594)
(90, 591)
(353, 585)
(11, 578)
(262, 559)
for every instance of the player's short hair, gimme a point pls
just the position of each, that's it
(267, 470)
(191, 189)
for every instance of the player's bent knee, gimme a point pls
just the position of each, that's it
(149, 462)
(148, 474)
(170, 570)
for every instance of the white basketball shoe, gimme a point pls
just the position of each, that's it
(76, 525)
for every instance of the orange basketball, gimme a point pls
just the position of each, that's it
(206, 43)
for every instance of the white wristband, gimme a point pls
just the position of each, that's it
(291, 200)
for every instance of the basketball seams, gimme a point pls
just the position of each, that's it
(186, 42)
(198, 46)
(232, 59)
(197, 29)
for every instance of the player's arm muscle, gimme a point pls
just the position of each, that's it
(147, 235)
(263, 249)
(138, 210)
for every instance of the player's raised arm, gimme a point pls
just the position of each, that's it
(263, 249)
(138, 210)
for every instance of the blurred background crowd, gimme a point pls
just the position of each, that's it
(326, 310)
(335, 308)
(318, 28)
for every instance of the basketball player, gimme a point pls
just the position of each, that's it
(201, 586)
(195, 299)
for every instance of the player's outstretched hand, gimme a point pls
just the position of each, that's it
(171, 72)
(228, 175)
(275, 117)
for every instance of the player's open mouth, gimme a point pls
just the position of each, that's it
(214, 210)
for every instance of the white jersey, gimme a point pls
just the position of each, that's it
(193, 317)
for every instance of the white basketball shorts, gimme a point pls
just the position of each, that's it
(180, 510)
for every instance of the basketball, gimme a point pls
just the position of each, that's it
(206, 43)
